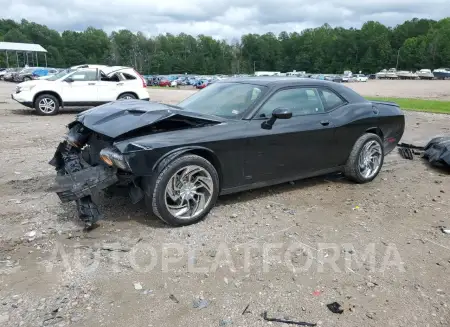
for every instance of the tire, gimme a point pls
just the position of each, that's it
(156, 189)
(352, 168)
(126, 96)
(25, 79)
(39, 105)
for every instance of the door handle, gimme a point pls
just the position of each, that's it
(91, 83)
(325, 122)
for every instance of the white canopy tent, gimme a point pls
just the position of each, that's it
(26, 49)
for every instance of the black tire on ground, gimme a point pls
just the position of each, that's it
(351, 169)
(155, 189)
(50, 99)
(126, 96)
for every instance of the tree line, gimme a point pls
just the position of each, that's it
(415, 44)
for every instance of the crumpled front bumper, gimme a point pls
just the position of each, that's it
(83, 183)
(76, 180)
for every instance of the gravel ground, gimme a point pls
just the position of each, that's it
(127, 272)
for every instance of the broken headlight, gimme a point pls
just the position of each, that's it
(78, 135)
(113, 157)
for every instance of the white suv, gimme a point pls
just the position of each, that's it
(80, 87)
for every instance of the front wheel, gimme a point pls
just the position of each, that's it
(366, 159)
(46, 105)
(185, 190)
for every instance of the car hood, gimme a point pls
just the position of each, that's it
(123, 116)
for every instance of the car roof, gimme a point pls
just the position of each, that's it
(279, 82)
(276, 81)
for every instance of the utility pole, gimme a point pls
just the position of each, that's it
(254, 67)
(398, 55)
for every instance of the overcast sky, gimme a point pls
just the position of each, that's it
(219, 18)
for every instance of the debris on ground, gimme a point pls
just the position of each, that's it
(225, 322)
(335, 308)
(173, 298)
(316, 293)
(137, 286)
(246, 309)
(200, 303)
(437, 151)
(445, 230)
(298, 323)
(407, 151)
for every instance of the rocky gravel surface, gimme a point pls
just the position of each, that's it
(379, 250)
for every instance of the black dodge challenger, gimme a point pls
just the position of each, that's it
(235, 135)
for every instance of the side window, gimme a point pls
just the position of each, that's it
(331, 100)
(128, 76)
(85, 75)
(301, 101)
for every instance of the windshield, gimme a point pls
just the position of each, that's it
(60, 74)
(228, 100)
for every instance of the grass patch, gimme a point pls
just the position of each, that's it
(433, 106)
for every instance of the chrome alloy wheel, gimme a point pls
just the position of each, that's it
(128, 97)
(47, 105)
(189, 192)
(370, 159)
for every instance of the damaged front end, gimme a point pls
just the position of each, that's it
(77, 179)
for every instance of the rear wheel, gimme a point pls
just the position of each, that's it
(185, 190)
(126, 96)
(26, 79)
(366, 159)
(46, 105)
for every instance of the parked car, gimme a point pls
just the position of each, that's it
(235, 135)
(164, 82)
(3, 71)
(24, 75)
(361, 78)
(201, 84)
(334, 78)
(81, 87)
(9, 75)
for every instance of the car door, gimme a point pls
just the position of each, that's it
(109, 86)
(80, 88)
(292, 147)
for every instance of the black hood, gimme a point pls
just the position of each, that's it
(122, 116)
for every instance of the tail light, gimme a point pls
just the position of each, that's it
(144, 83)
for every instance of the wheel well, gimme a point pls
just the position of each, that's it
(211, 158)
(132, 93)
(56, 95)
(377, 131)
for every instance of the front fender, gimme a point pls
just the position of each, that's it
(169, 156)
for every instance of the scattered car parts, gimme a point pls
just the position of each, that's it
(437, 151)
(335, 308)
(291, 322)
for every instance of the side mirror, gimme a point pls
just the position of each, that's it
(69, 79)
(278, 113)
